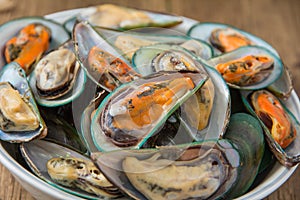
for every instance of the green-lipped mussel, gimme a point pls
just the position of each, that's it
(248, 68)
(129, 42)
(67, 169)
(29, 50)
(134, 111)
(103, 64)
(20, 120)
(123, 18)
(212, 99)
(206, 170)
(280, 126)
(57, 78)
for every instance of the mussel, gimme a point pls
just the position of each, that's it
(247, 68)
(204, 31)
(28, 46)
(38, 36)
(228, 39)
(280, 126)
(210, 169)
(103, 64)
(133, 112)
(57, 78)
(123, 18)
(129, 42)
(20, 120)
(67, 169)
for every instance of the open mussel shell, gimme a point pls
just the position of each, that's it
(203, 31)
(37, 153)
(86, 120)
(10, 29)
(246, 133)
(146, 61)
(165, 57)
(175, 172)
(130, 41)
(108, 129)
(290, 155)
(123, 18)
(241, 52)
(219, 113)
(60, 90)
(16, 77)
(85, 39)
(283, 86)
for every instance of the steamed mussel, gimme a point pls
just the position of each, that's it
(20, 120)
(228, 39)
(27, 48)
(136, 110)
(210, 169)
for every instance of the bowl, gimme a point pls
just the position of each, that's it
(42, 190)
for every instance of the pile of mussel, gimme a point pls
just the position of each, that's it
(105, 107)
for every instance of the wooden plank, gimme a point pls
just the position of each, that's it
(278, 22)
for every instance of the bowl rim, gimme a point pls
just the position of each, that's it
(278, 174)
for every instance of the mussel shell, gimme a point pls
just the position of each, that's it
(251, 50)
(144, 59)
(289, 156)
(9, 29)
(75, 88)
(158, 19)
(110, 163)
(104, 143)
(124, 40)
(246, 133)
(283, 86)
(86, 120)
(37, 153)
(16, 76)
(221, 110)
(203, 31)
(85, 38)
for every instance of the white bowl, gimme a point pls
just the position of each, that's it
(42, 190)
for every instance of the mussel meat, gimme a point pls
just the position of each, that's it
(56, 73)
(79, 173)
(227, 39)
(247, 70)
(28, 47)
(110, 68)
(269, 109)
(134, 111)
(16, 113)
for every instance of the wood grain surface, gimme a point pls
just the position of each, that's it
(276, 21)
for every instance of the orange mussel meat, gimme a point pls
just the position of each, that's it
(247, 70)
(108, 69)
(129, 119)
(228, 39)
(271, 112)
(28, 46)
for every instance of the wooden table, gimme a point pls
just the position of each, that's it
(277, 22)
